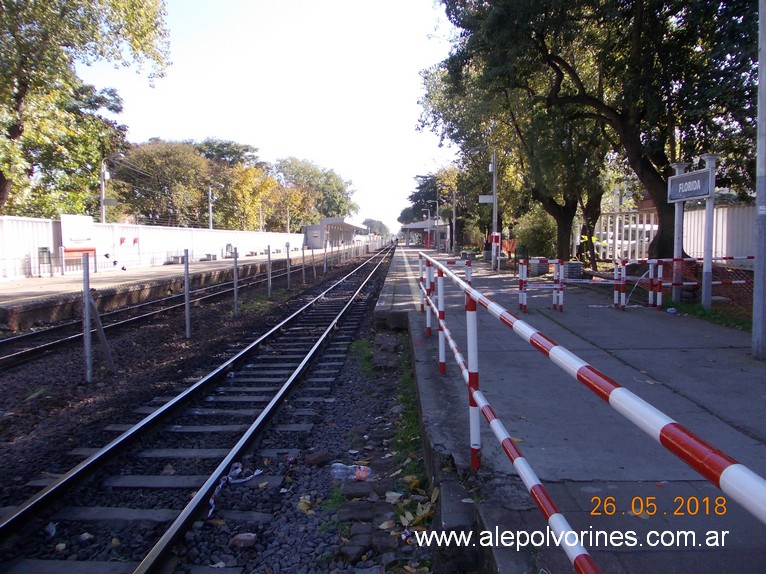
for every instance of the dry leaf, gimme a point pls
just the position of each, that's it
(393, 497)
(387, 525)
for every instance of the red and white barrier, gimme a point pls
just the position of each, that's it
(655, 289)
(734, 479)
(478, 405)
(557, 285)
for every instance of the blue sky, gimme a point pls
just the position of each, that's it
(335, 82)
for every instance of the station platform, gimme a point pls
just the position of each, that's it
(638, 507)
(32, 301)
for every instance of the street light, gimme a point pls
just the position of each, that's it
(210, 199)
(102, 177)
(493, 169)
(436, 220)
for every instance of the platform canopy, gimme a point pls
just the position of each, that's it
(427, 229)
(333, 232)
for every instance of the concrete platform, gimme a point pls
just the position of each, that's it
(36, 301)
(585, 453)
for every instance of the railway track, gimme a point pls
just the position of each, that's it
(171, 459)
(24, 347)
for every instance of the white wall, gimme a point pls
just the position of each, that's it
(130, 245)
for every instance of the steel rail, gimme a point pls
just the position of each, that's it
(28, 354)
(36, 502)
(153, 560)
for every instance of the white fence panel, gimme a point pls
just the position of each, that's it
(129, 246)
(733, 235)
(21, 238)
(628, 234)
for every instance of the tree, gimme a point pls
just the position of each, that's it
(229, 153)
(668, 79)
(39, 44)
(63, 145)
(377, 227)
(333, 194)
(242, 201)
(164, 182)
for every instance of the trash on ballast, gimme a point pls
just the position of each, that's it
(50, 529)
(672, 311)
(232, 478)
(356, 471)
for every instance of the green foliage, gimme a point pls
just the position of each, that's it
(331, 194)
(377, 227)
(363, 351)
(536, 230)
(163, 183)
(246, 196)
(46, 115)
(228, 153)
(636, 68)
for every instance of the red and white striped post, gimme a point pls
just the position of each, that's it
(422, 292)
(558, 285)
(652, 271)
(523, 274)
(468, 271)
(659, 285)
(474, 413)
(616, 285)
(440, 306)
(428, 294)
(623, 282)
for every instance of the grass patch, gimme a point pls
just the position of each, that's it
(259, 303)
(334, 499)
(720, 314)
(362, 349)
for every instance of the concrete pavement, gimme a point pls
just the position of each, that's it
(599, 468)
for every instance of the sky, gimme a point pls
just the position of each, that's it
(334, 82)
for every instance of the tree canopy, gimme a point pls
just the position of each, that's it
(40, 41)
(668, 80)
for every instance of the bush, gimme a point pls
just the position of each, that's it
(536, 230)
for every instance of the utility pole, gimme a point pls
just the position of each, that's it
(759, 277)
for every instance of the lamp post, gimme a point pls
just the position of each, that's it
(103, 176)
(209, 207)
(495, 249)
(436, 221)
(493, 169)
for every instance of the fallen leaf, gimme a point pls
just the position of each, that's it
(393, 497)
(387, 525)
(435, 494)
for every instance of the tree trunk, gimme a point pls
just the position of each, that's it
(5, 190)
(563, 215)
(563, 237)
(656, 186)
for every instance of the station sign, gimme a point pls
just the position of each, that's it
(692, 185)
(485, 199)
